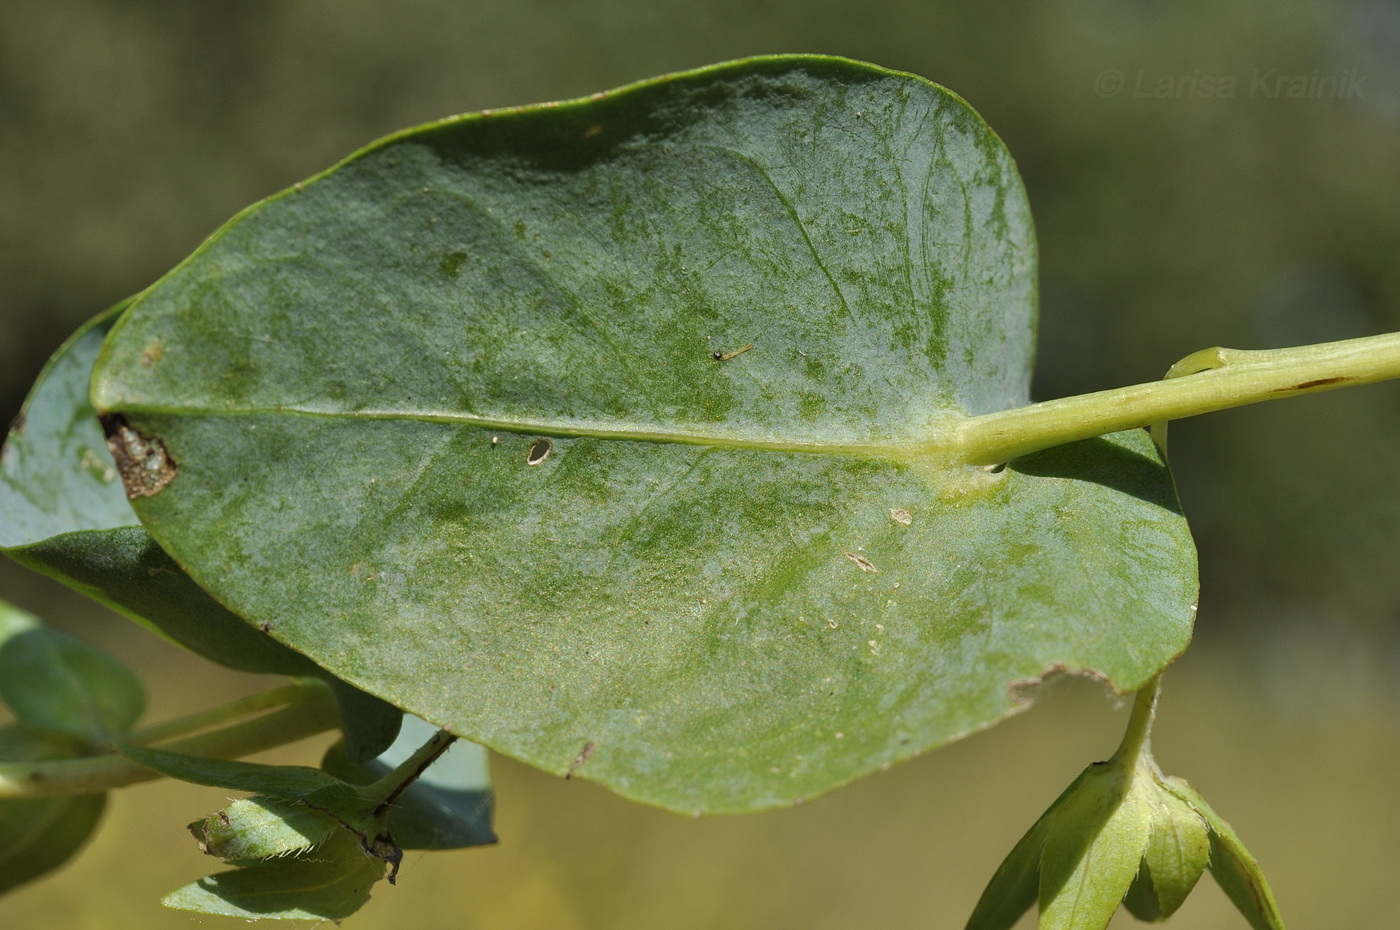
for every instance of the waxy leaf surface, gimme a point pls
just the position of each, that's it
(613, 435)
(63, 513)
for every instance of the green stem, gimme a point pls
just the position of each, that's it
(302, 710)
(218, 716)
(1213, 379)
(1138, 737)
(385, 791)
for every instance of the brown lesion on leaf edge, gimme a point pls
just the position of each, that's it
(1025, 691)
(16, 428)
(583, 756)
(143, 462)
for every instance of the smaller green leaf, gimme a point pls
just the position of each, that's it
(369, 724)
(1235, 870)
(1177, 853)
(257, 828)
(1096, 837)
(330, 882)
(1141, 900)
(56, 682)
(287, 782)
(449, 806)
(40, 834)
(14, 621)
(1014, 887)
(314, 788)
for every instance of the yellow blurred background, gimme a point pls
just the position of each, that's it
(1170, 218)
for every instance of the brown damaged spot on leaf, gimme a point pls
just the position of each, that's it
(1026, 691)
(583, 756)
(384, 847)
(154, 353)
(862, 562)
(143, 462)
(726, 356)
(901, 516)
(200, 831)
(7, 450)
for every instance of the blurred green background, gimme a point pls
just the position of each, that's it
(129, 129)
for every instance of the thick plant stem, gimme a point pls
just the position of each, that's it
(302, 710)
(1213, 379)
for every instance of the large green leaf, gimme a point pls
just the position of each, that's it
(467, 421)
(63, 512)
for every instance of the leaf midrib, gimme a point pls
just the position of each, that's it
(939, 445)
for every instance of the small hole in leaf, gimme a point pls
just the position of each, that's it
(539, 451)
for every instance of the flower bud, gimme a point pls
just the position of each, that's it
(257, 828)
(1177, 853)
(1122, 833)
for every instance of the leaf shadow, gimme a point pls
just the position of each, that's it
(1111, 463)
